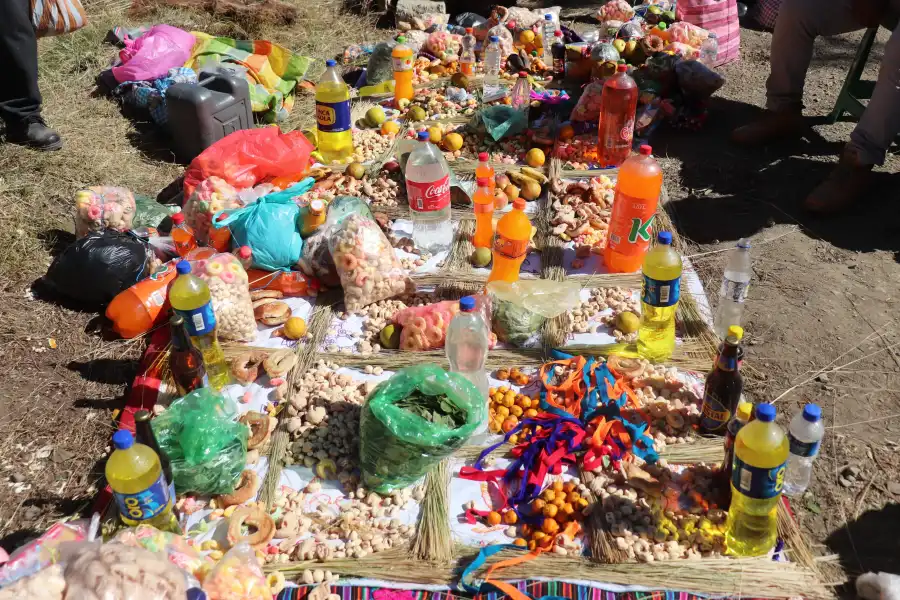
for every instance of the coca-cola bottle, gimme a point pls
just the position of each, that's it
(428, 190)
(617, 107)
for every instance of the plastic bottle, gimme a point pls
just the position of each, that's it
(548, 31)
(634, 206)
(143, 434)
(189, 296)
(290, 283)
(245, 255)
(558, 51)
(492, 59)
(484, 215)
(139, 487)
(467, 53)
(709, 50)
(428, 190)
(220, 238)
(804, 439)
(134, 311)
(521, 94)
(738, 421)
(182, 235)
(313, 218)
(402, 57)
(659, 300)
(333, 127)
(618, 103)
(467, 345)
(486, 171)
(733, 292)
(724, 386)
(185, 361)
(760, 453)
(510, 243)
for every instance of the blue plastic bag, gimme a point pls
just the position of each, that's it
(269, 227)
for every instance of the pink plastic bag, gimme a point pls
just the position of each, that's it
(151, 56)
(715, 16)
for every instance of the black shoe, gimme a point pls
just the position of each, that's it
(33, 133)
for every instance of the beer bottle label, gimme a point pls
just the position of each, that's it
(333, 117)
(803, 449)
(759, 483)
(199, 321)
(146, 504)
(661, 292)
(714, 414)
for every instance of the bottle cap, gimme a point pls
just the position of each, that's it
(183, 267)
(812, 412)
(522, 74)
(736, 331)
(221, 217)
(178, 218)
(245, 252)
(645, 150)
(316, 207)
(557, 32)
(743, 244)
(664, 237)
(548, 17)
(330, 62)
(401, 39)
(621, 68)
(494, 39)
(176, 321)
(469, 30)
(467, 304)
(424, 136)
(483, 182)
(765, 412)
(519, 204)
(122, 439)
(744, 410)
(142, 415)
(483, 156)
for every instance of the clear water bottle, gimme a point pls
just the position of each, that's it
(805, 437)
(547, 35)
(521, 93)
(733, 293)
(492, 68)
(709, 50)
(428, 190)
(467, 346)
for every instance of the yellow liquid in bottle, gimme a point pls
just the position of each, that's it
(662, 286)
(189, 296)
(135, 476)
(333, 145)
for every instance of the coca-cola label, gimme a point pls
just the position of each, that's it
(429, 197)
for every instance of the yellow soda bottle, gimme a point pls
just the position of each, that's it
(189, 297)
(659, 300)
(757, 478)
(334, 132)
(139, 487)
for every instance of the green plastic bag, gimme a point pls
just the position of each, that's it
(502, 121)
(149, 213)
(205, 444)
(398, 447)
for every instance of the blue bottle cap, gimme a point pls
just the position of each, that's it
(122, 439)
(424, 136)
(494, 38)
(664, 237)
(467, 304)
(812, 412)
(183, 267)
(548, 17)
(330, 62)
(765, 412)
(743, 244)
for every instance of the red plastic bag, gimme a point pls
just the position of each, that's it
(715, 16)
(250, 156)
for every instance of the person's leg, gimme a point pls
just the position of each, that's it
(20, 98)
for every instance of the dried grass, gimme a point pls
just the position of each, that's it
(433, 542)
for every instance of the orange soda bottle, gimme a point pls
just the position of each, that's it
(634, 206)
(220, 238)
(485, 170)
(484, 215)
(182, 235)
(134, 311)
(511, 243)
(402, 56)
(618, 103)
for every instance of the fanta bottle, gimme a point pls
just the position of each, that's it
(484, 215)
(631, 223)
(134, 311)
(182, 235)
(290, 283)
(511, 243)
(333, 130)
(618, 103)
(485, 170)
(402, 56)
(220, 238)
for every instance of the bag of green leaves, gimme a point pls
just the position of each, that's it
(414, 420)
(205, 443)
(519, 309)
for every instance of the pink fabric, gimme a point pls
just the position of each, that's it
(151, 56)
(719, 17)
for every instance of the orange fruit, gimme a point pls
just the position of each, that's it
(535, 158)
(532, 545)
(453, 142)
(530, 413)
(516, 411)
(494, 518)
(538, 505)
(390, 128)
(558, 485)
(514, 439)
(520, 542)
(568, 509)
(510, 517)
(548, 495)
(566, 132)
(524, 402)
(538, 536)
(527, 530)
(573, 497)
(569, 486)
(550, 511)
(559, 500)
(549, 526)
(526, 36)
(582, 503)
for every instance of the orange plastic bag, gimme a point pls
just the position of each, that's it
(250, 156)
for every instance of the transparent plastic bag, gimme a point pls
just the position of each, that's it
(588, 107)
(316, 259)
(381, 66)
(616, 10)
(173, 546)
(398, 447)
(520, 308)
(364, 258)
(46, 584)
(122, 572)
(229, 289)
(205, 444)
(238, 576)
(38, 554)
(687, 33)
(211, 196)
(505, 39)
(425, 327)
(103, 207)
(150, 213)
(502, 121)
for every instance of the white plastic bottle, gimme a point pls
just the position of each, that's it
(492, 68)
(547, 36)
(428, 190)
(467, 347)
(733, 293)
(805, 437)
(709, 50)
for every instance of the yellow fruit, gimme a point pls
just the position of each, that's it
(481, 257)
(390, 128)
(453, 142)
(295, 328)
(549, 526)
(530, 413)
(520, 542)
(535, 157)
(550, 511)
(375, 116)
(416, 113)
(512, 192)
(538, 504)
(531, 190)
(516, 411)
(548, 495)
(526, 37)
(502, 412)
(355, 170)
(494, 518)
(435, 133)
(510, 517)
(390, 337)
(402, 103)
(627, 322)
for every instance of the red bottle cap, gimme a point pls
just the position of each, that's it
(519, 204)
(245, 252)
(483, 156)
(557, 32)
(522, 74)
(645, 149)
(469, 30)
(483, 182)
(178, 218)
(621, 68)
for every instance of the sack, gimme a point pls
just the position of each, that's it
(715, 16)
(229, 291)
(212, 196)
(103, 207)
(151, 56)
(56, 17)
(397, 447)
(94, 269)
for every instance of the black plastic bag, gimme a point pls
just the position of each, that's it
(470, 19)
(94, 269)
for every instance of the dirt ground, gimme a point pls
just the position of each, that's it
(820, 321)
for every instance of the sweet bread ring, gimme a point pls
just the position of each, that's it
(252, 517)
(245, 489)
(279, 362)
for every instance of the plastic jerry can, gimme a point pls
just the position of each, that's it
(202, 114)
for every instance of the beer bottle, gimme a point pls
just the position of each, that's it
(143, 433)
(185, 360)
(723, 387)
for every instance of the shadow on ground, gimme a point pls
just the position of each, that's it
(869, 543)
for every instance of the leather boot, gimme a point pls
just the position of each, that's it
(33, 133)
(770, 127)
(848, 182)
